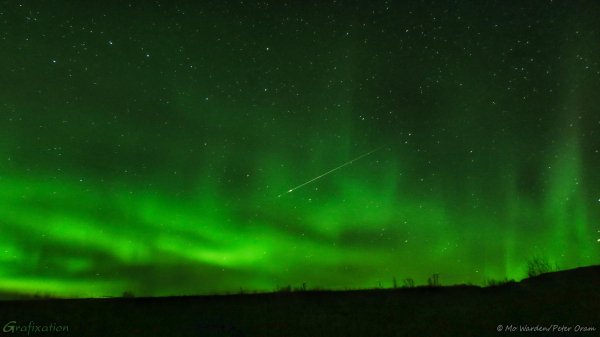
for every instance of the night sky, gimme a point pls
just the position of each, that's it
(151, 146)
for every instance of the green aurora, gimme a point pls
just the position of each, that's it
(143, 147)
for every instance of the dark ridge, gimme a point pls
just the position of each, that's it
(568, 299)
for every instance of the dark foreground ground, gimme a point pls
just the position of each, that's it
(567, 299)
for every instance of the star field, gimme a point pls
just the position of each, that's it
(162, 148)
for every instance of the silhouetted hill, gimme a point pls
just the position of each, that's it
(567, 299)
(582, 277)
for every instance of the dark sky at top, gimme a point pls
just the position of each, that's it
(149, 146)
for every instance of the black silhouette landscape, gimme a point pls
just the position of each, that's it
(555, 303)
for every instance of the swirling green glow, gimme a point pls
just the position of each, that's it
(156, 167)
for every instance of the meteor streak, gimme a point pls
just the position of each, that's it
(335, 169)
